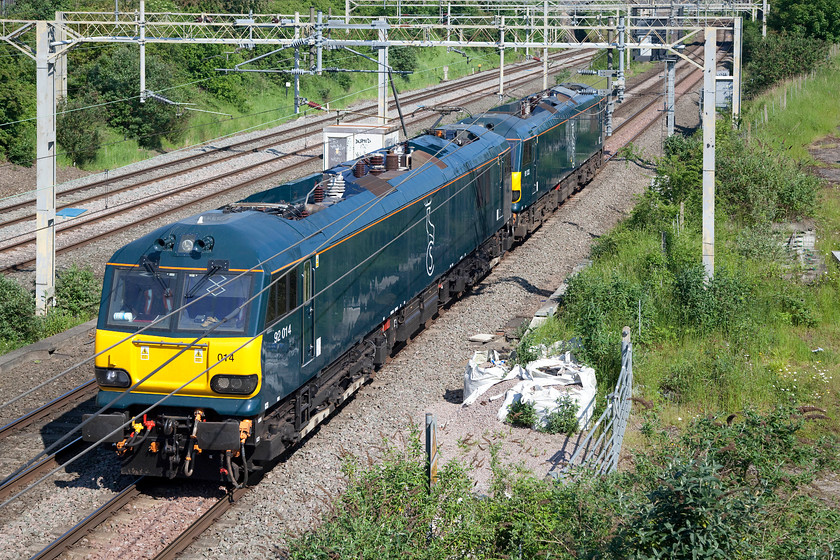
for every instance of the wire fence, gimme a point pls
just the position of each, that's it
(599, 449)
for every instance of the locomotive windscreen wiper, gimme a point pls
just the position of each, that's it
(150, 266)
(211, 270)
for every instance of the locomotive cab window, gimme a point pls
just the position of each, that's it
(139, 297)
(211, 298)
(527, 152)
(282, 297)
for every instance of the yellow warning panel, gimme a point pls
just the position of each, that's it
(171, 363)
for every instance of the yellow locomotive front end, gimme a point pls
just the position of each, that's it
(179, 368)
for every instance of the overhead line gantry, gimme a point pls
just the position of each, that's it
(500, 25)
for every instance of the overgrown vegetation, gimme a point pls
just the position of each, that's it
(726, 488)
(522, 414)
(780, 56)
(563, 419)
(77, 301)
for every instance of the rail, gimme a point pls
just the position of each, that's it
(599, 450)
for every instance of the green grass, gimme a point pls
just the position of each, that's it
(811, 111)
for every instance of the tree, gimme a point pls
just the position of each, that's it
(116, 78)
(403, 59)
(77, 130)
(37, 9)
(819, 19)
(779, 56)
(17, 104)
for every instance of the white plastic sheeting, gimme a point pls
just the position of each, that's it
(484, 370)
(542, 383)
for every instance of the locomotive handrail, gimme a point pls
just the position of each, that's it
(171, 344)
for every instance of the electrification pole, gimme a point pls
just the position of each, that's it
(736, 68)
(502, 60)
(45, 168)
(709, 74)
(382, 111)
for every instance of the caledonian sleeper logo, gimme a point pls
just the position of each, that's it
(430, 233)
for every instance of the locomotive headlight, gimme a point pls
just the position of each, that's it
(186, 245)
(234, 384)
(110, 377)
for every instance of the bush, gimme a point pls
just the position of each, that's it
(719, 303)
(115, 78)
(77, 292)
(564, 418)
(521, 414)
(818, 19)
(55, 321)
(17, 312)
(759, 242)
(692, 514)
(598, 304)
(77, 131)
(403, 59)
(777, 57)
(17, 105)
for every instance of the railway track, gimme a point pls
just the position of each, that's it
(90, 524)
(83, 391)
(66, 541)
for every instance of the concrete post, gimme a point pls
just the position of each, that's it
(764, 7)
(670, 77)
(382, 106)
(319, 42)
(545, 41)
(529, 34)
(670, 70)
(709, 72)
(297, 64)
(142, 43)
(622, 30)
(502, 59)
(736, 68)
(61, 60)
(45, 170)
(297, 81)
(608, 117)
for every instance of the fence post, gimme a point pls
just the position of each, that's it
(431, 449)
